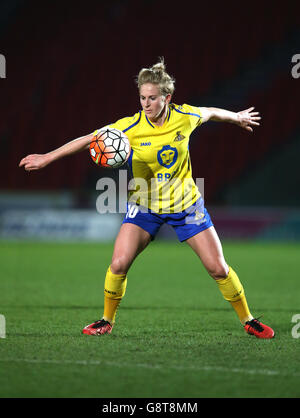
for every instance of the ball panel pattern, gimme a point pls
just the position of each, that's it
(110, 147)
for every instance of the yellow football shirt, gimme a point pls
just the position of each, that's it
(160, 160)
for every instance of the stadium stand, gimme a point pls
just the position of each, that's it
(77, 75)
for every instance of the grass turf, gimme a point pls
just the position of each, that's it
(175, 336)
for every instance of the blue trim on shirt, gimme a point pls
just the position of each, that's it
(187, 113)
(129, 162)
(169, 114)
(135, 123)
(168, 117)
(149, 122)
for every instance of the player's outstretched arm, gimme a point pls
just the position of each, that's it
(245, 118)
(38, 161)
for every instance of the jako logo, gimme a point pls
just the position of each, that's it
(145, 144)
(2, 66)
(296, 68)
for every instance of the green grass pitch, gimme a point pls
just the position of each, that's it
(175, 335)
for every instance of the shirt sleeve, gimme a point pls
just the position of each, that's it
(194, 114)
(123, 124)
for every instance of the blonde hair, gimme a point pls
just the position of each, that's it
(157, 75)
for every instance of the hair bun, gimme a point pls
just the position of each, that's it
(157, 75)
(160, 66)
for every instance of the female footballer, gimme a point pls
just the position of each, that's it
(165, 128)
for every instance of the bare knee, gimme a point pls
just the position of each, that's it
(218, 270)
(119, 265)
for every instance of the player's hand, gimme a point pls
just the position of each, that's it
(34, 162)
(247, 118)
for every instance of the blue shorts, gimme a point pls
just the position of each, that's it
(186, 224)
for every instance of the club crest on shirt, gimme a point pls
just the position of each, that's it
(167, 156)
(178, 137)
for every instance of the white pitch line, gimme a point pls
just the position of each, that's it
(263, 372)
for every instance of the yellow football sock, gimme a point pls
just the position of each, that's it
(114, 290)
(233, 291)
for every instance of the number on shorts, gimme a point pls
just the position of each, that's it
(132, 211)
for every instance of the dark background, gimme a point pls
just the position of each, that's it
(71, 66)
